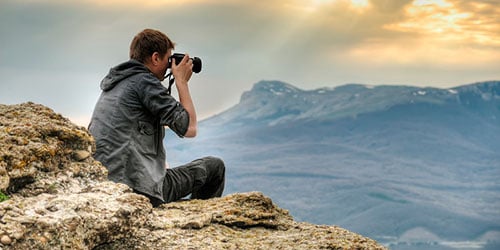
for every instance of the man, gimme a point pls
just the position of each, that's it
(128, 125)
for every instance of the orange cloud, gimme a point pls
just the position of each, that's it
(438, 32)
(447, 21)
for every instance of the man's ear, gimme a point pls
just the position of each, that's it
(155, 58)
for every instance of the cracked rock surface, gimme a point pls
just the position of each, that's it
(59, 198)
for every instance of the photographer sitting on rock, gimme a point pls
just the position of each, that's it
(129, 118)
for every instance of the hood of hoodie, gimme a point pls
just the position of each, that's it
(122, 71)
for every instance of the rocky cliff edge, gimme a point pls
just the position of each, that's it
(58, 197)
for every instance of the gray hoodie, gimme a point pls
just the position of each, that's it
(127, 124)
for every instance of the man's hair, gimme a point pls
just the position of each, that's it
(148, 42)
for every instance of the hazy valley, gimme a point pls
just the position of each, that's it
(407, 166)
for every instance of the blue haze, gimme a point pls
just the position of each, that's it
(410, 167)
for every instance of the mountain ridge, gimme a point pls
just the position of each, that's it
(410, 160)
(344, 101)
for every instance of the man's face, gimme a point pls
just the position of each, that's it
(164, 65)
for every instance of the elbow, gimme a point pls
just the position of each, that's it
(191, 132)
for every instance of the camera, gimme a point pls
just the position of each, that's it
(178, 58)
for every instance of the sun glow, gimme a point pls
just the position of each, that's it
(440, 3)
(356, 4)
(360, 3)
(446, 22)
(438, 32)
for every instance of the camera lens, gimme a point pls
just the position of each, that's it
(196, 64)
(196, 61)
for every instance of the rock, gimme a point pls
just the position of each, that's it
(4, 178)
(81, 155)
(18, 235)
(60, 199)
(35, 151)
(5, 240)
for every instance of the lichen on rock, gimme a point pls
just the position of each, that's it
(59, 198)
(37, 151)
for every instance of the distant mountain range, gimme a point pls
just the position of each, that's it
(407, 166)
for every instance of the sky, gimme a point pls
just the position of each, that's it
(56, 52)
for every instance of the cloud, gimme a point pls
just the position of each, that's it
(471, 22)
(276, 32)
(441, 33)
(50, 45)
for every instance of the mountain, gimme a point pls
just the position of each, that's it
(421, 165)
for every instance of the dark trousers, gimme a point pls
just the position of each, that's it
(202, 178)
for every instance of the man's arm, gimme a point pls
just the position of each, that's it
(182, 73)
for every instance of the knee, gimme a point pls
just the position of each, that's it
(215, 161)
(199, 175)
(216, 164)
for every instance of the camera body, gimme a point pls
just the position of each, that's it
(178, 58)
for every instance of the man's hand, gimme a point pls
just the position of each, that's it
(183, 71)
